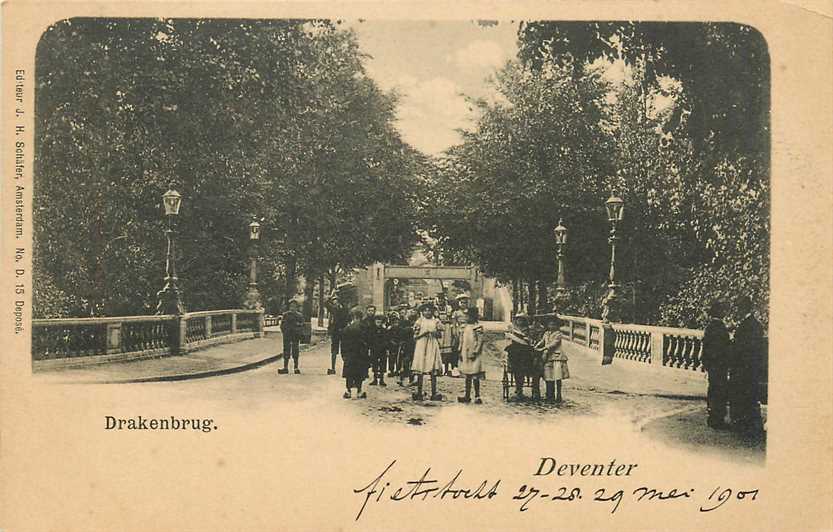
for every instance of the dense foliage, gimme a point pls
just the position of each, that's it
(278, 121)
(683, 138)
(268, 120)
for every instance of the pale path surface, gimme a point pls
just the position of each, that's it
(666, 405)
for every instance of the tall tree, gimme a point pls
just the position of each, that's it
(244, 117)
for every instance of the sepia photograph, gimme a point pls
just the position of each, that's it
(541, 218)
(502, 268)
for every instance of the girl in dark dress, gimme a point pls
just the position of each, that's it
(354, 353)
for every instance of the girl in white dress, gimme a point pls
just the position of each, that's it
(427, 359)
(471, 360)
(555, 361)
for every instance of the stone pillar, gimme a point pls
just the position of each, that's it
(179, 329)
(656, 348)
(207, 327)
(114, 338)
(587, 331)
(260, 324)
(608, 343)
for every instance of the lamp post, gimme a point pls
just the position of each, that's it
(615, 213)
(561, 296)
(169, 300)
(252, 300)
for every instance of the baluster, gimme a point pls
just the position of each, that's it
(623, 344)
(160, 329)
(153, 334)
(698, 355)
(689, 353)
(672, 351)
(641, 348)
(679, 347)
(144, 336)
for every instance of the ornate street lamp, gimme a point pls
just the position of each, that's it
(252, 300)
(561, 296)
(615, 213)
(169, 300)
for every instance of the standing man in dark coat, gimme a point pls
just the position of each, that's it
(339, 318)
(292, 327)
(717, 350)
(354, 353)
(746, 371)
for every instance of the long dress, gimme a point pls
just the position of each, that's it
(471, 349)
(354, 352)
(427, 357)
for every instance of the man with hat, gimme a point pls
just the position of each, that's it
(717, 348)
(745, 371)
(339, 319)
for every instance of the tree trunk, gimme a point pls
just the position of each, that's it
(333, 278)
(521, 297)
(543, 303)
(309, 290)
(291, 267)
(532, 309)
(321, 301)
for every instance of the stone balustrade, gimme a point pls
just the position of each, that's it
(657, 346)
(83, 341)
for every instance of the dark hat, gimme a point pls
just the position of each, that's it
(717, 308)
(425, 305)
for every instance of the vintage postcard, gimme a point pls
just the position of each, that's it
(416, 266)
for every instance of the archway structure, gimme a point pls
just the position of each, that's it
(371, 284)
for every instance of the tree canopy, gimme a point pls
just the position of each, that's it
(274, 120)
(683, 138)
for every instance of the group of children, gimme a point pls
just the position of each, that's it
(409, 348)
(534, 353)
(420, 343)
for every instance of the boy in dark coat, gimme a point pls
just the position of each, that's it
(716, 352)
(408, 343)
(292, 327)
(379, 350)
(354, 354)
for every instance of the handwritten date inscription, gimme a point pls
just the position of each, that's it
(428, 488)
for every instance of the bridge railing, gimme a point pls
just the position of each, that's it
(105, 339)
(656, 346)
